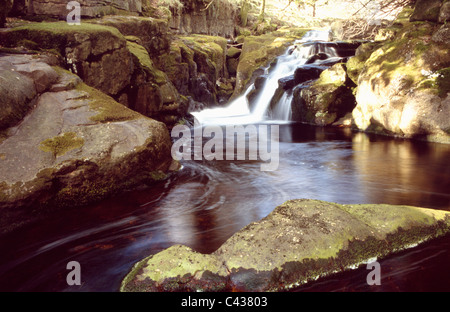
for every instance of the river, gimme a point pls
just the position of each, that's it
(208, 201)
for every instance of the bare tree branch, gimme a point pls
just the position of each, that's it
(207, 7)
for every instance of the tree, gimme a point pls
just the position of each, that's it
(262, 13)
(5, 7)
(311, 3)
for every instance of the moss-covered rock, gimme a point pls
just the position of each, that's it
(76, 145)
(326, 100)
(298, 242)
(153, 33)
(194, 64)
(400, 89)
(94, 52)
(427, 10)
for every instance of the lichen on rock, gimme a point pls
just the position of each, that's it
(298, 242)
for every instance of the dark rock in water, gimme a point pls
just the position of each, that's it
(346, 49)
(332, 61)
(307, 72)
(287, 83)
(201, 88)
(260, 81)
(325, 100)
(315, 57)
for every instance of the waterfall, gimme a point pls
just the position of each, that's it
(238, 111)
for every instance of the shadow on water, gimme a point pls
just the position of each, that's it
(208, 201)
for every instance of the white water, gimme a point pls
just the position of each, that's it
(237, 112)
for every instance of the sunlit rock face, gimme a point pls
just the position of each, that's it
(298, 242)
(403, 87)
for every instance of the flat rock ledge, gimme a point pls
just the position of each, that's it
(298, 242)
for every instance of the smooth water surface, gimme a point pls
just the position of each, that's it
(208, 201)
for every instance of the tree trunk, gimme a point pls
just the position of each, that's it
(263, 8)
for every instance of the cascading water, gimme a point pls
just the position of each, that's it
(238, 112)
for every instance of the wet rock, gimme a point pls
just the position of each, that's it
(426, 10)
(298, 242)
(315, 57)
(325, 100)
(76, 145)
(307, 72)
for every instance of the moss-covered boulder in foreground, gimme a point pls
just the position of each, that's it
(298, 242)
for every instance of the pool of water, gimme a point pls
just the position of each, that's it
(208, 201)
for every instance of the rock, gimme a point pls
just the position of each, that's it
(194, 65)
(426, 10)
(153, 33)
(287, 83)
(315, 57)
(307, 72)
(298, 242)
(17, 93)
(91, 8)
(356, 63)
(325, 100)
(444, 14)
(442, 35)
(94, 52)
(76, 145)
(233, 53)
(402, 90)
(232, 66)
(192, 18)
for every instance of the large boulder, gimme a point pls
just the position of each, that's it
(195, 64)
(325, 100)
(403, 87)
(94, 52)
(298, 242)
(153, 33)
(76, 145)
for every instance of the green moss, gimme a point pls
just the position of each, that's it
(108, 109)
(146, 63)
(62, 144)
(55, 35)
(443, 82)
